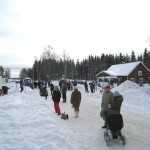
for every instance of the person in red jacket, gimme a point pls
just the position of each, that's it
(56, 99)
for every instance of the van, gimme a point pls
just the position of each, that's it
(28, 82)
(108, 80)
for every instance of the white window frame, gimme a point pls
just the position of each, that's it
(132, 79)
(141, 80)
(140, 73)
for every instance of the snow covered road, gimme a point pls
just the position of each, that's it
(28, 122)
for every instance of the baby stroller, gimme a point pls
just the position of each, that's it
(114, 124)
(43, 92)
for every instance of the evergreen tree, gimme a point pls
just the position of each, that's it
(121, 59)
(50, 66)
(103, 62)
(145, 55)
(86, 69)
(1, 71)
(140, 58)
(7, 73)
(24, 73)
(116, 60)
(146, 58)
(133, 58)
(127, 58)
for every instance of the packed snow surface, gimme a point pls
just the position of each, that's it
(29, 122)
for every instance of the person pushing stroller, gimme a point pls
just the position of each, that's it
(113, 119)
(107, 99)
(110, 101)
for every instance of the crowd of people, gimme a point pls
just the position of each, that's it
(58, 92)
(110, 101)
(93, 86)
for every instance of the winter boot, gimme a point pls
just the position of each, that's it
(104, 126)
(76, 114)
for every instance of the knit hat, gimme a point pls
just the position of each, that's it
(75, 87)
(107, 86)
(116, 93)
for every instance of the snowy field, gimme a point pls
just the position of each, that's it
(28, 121)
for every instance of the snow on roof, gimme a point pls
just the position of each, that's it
(122, 69)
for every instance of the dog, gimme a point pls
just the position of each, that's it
(64, 116)
(1, 92)
(5, 89)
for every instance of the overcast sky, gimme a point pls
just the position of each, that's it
(80, 27)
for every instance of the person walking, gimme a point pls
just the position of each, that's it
(76, 100)
(107, 99)
(51, 88)
(56, 99)
(91, 87)
(86, 86)
(64, 90)
(21, 85)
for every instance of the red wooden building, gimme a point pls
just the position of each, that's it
(135, 71)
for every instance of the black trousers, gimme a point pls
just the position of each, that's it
(64, 97)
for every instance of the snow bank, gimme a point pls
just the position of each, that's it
(25, 123)
(136, 98)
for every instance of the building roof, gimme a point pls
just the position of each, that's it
(122, 69)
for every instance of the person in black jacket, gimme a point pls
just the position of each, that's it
(21, 84)
(86, 86)
(117, 101)
(56, 99)
(64, 91)
(51, 88)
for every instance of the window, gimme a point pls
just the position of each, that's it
(141, 80)
(139, 73)
(132, 80)
(120, 78)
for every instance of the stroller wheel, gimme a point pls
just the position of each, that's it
(106, 137)
(123, 139)
(105, 134)
(107, 140)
